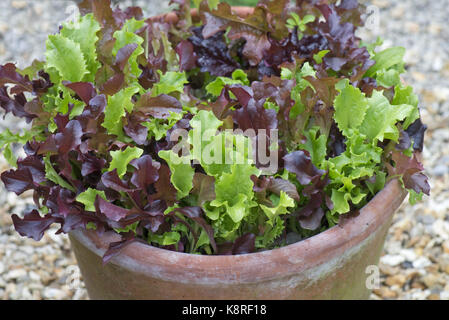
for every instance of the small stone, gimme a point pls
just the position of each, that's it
(440, 170)
(2, 267)
(3, 27)
(445, 247)
(392, 260)
(398, 280)
(34, 276)
(38, 10)
(444, 295)
(26, 294)
(408, 254)
(411, 275)
(388, 270)
(19, 4)
(446, 269)
(434, 296)
(381, 3)
(37, 295)
(386, 293)
(426, 219)
(419, 76)
(430, 280)
(441, 228)
(407, 264)
(437, 64)
(434, 28)
(53, 293)
(421, 262)
(418, 285)
(36, 286)
(17, 274)
(398, 12)
(412, 27)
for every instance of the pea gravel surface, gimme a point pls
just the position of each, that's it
(415, 261)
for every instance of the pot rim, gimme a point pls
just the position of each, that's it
(252, 267)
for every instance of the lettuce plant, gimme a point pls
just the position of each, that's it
(108, 103)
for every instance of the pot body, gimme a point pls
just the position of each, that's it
(331, 265)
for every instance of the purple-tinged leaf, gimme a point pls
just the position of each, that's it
(33, 225)
(213, 55)
(111, 211)
(134, 129)
(244, 244)
(312, 221)
(301, 165)
(158, 107)
(111, 180)
(123, 55)
(18, 181)
(187, 56)
(146, 173)
(203, 187)
(70, 138)
(116, 247)
(277, 185)
(9, 75)
(113, 84)
(85, 90)
(410, 169)
(416, 132)
(15, 105)
(196, 214)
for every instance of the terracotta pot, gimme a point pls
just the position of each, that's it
(330, 265)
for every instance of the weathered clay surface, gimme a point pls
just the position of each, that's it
(330, 265)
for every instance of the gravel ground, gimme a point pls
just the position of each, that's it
(415, 262)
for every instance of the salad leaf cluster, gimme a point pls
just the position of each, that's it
(106, 104)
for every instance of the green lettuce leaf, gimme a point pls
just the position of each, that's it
(121, 159)
(405, 95)
(165, 239)
(158, 128)
(169, 82)
(88, 198)
(350, 106)
(127, 36)
(238, 77)
(283, 203)
(115, 110)
(65, 55)
(386, 59)
(181, 172)
(7, 138)
(316, 144)
(52, 175)
(381, 117)
(234, 191)
(84, 32)
(204, 126)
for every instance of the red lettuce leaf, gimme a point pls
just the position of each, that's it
(33, 225)
(300, 163)
(146, 173)
(213, 54)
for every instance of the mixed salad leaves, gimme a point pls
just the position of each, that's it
(106, 105)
